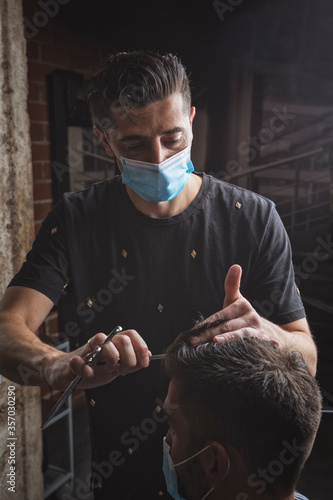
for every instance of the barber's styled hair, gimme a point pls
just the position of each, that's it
(251, 394)
(130, 79)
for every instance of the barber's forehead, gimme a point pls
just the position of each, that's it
(157, 119)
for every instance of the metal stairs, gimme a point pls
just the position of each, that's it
(301, 185)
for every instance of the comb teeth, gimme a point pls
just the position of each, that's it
(156, 357)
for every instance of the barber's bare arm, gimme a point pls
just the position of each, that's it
(241, 320)
(25, 359)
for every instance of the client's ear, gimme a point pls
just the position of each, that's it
(216, 463)
(102, 137)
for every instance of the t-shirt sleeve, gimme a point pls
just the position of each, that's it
(46, 267)
(274, 291)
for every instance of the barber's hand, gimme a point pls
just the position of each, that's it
(239, 318)
(126, 353)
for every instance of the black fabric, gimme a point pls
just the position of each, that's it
(124, 268)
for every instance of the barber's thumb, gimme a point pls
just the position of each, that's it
(232, 285)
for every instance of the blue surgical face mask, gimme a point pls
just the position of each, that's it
(170, 474)
(158, 182)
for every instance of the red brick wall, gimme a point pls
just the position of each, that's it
(47, 51)
(51, 47)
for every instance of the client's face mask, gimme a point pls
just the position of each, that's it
(170, 474)
(158, 182)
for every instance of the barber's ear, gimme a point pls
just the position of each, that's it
(102, 137)
(216, 463)
(192, 114)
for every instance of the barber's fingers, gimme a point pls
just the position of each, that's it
(237, 315)
(127, 352)
(78, 364)
(133, 351)
(232, 285)
(79, 367)
(245, 333)
(237, 334)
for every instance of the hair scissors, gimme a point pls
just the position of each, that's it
(91, 360)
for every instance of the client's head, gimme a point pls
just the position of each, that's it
(250, 408)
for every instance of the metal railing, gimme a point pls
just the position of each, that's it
(304, 197)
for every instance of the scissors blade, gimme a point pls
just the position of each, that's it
(91, 361)
(62, 400)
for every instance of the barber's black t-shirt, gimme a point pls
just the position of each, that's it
(156, 276)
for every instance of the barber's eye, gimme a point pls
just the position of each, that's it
(134, 147)
(170, 142)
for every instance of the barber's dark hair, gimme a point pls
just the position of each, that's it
(260, 398)
(130, 79)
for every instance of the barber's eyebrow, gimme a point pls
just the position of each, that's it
(136, 137)
(174, 130)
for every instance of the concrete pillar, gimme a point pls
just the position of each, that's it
(16, 235)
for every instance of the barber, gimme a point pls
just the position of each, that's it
(147, 250)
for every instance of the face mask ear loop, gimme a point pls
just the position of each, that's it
(225, 475)
(192, 456)
(228, 469)
(208, 493)
(115, 154)
(109, 143)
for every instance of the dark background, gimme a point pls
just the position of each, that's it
(242, 62)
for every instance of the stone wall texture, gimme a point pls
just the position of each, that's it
(22, 447)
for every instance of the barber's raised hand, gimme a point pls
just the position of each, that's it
(239, 318)
(126, 353)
